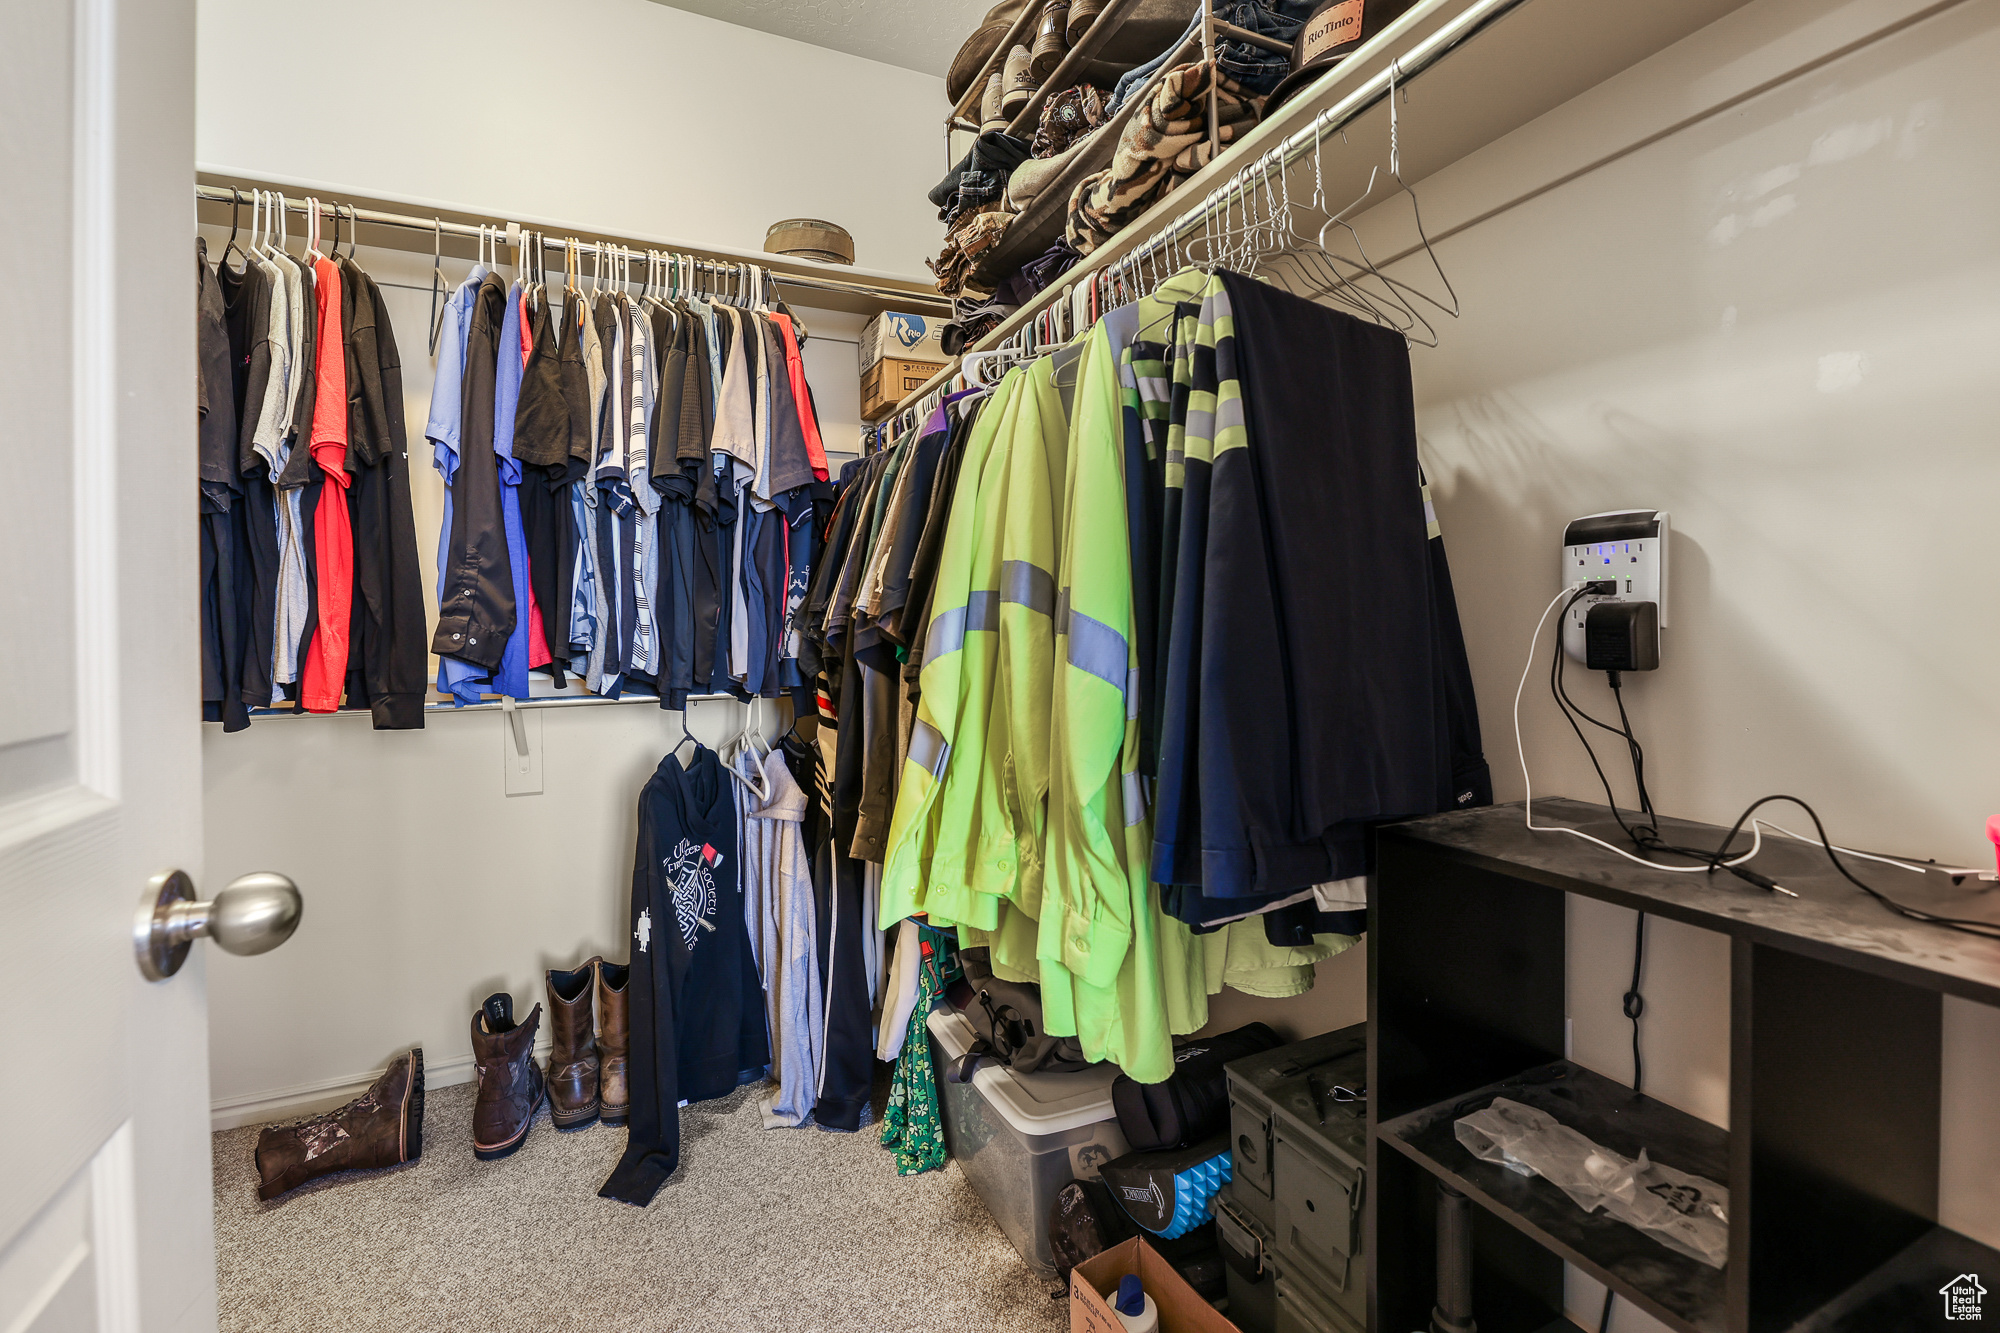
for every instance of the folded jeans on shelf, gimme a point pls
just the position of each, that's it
(980, 176)
(1256, 70)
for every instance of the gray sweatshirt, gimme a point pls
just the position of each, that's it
(778, 907)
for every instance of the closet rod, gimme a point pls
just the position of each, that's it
(295, 203)
(494, 706)
(1252, 174)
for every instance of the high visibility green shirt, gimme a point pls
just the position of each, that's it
(1116, 972)
(949, 731)
(1007, 860)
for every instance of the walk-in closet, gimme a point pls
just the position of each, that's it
(1123, 666)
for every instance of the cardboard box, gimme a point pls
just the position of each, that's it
(887, 383)
(1094, 1282)
(906, 337)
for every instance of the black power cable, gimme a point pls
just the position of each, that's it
(1646, 836)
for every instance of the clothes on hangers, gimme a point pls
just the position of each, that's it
(1125, 774)
(682, 436)
(778, 902)
(696, 1009)
(222, 505)
(309, 594)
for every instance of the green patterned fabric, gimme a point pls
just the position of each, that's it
(911, 1125)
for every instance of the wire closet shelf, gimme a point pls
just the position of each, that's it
(1246, 219)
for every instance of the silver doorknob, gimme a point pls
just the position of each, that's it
(255, 914)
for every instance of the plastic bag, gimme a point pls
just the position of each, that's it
(1685, 1213)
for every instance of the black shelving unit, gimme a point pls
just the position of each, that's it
(1831, 1153)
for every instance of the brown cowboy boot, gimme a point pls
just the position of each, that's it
(511, 1089)
(381, 1127)
(573, 1050)
(614, 1040)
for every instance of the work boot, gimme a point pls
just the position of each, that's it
(381, 1127)
(1051, 42)
(614, 1040)
(573, 1049)
(511, 1089)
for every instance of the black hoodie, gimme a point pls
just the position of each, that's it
(696, 1000)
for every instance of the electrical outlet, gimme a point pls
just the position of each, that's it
(1627, 546)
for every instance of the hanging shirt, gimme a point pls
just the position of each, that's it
(778, 900)
(512, 676)
(1117, 973)
(442, 429)
(926, 851)
(586, 624)
(293, 595)
(478, 608)
(696, 1005)
(385, 669)
(224, 628)
(326, 660)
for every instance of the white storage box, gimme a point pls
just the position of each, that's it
(1020, 1138)
(907, 337)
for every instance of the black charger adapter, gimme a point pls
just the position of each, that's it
(1622, 636)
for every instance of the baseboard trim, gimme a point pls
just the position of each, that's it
(303, 1099)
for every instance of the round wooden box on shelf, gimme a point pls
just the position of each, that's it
(810, 238)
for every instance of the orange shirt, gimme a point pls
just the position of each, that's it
(325, 675)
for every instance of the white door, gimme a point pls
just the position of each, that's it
(105, 1195)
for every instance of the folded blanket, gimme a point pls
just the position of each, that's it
(1163, 144)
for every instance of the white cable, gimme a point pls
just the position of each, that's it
(1520, 751)
(1849, 851)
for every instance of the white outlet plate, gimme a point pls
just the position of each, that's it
(1627, 546)
(521, 729)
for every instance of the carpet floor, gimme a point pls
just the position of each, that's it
(799, 1230)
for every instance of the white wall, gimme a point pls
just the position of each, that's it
(612, 114)
(1781, 323)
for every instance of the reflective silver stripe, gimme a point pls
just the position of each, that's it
(1131, 694)
(1097, 648)
(1200, 424)
(1028, 585)
(1229, 414)
(927, 748)
(1062, 612)
(947, 635)
(1135, 800)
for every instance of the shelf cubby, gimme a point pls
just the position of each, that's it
(1831, 1151)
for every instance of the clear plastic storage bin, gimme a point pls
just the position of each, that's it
(1020, 1138)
